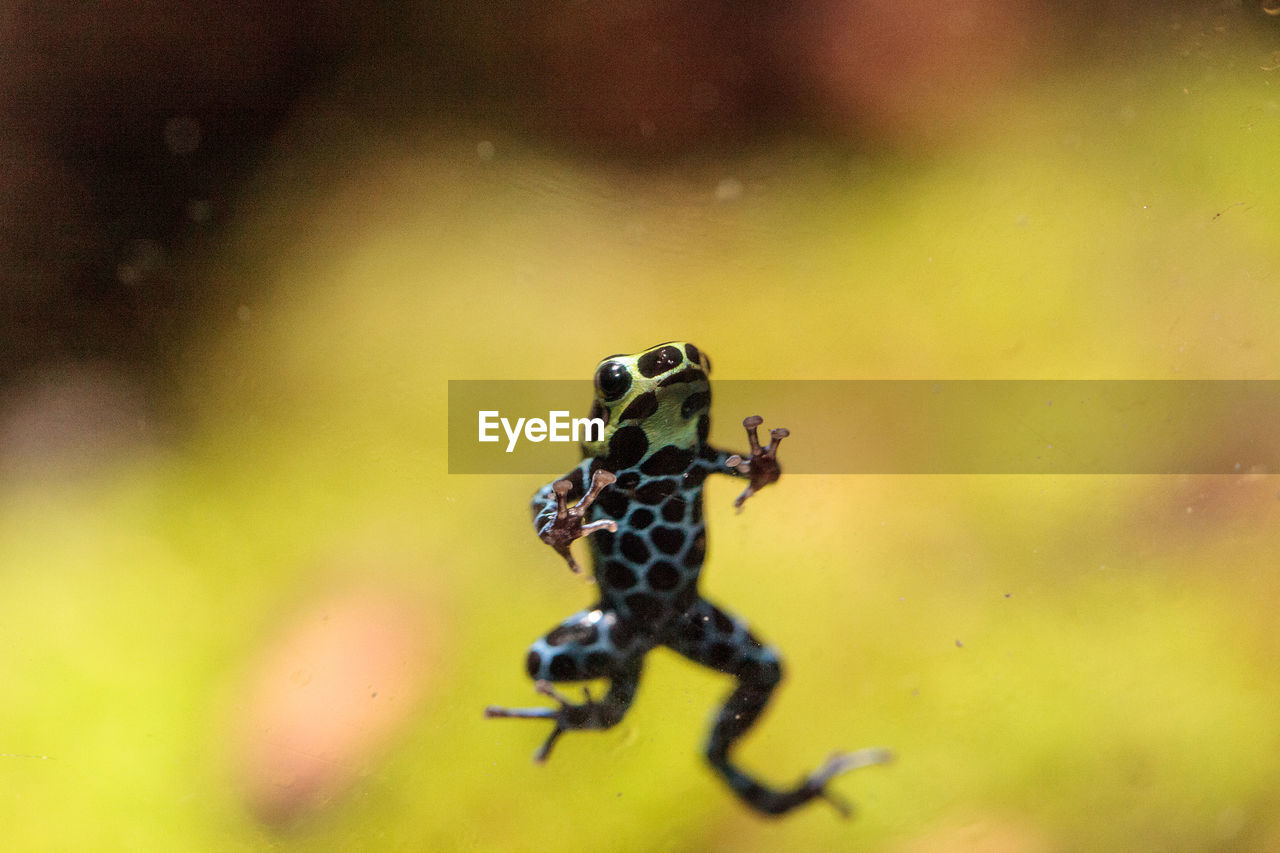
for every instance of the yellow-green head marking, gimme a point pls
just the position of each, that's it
(653, 399)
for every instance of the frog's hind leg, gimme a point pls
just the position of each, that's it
(709, 636)
(590, 644)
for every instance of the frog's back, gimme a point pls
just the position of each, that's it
(655, 406)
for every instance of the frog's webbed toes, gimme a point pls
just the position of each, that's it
(761, 467)
(567, 716)
(843, 762)
(567, 525)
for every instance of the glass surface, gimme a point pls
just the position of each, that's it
(243, 604)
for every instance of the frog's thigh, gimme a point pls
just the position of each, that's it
(589, 644)
(708, 635)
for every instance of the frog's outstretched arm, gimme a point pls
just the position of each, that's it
(761, 466)
(557, 523)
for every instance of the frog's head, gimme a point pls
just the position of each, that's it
(661, 395)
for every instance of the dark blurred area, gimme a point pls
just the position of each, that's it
(126, 127)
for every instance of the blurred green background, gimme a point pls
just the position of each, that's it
(243, 605)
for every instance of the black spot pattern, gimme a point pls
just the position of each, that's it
(602, 542)
(628, 481)
(698, 401)
(613, 502)
(667, 460)
(618, 575)
(633, 548)
(597, 663)
(723, 623)
(622, 634)
(641, 518)
(641, 407)
(662, 576)
(643, 606)
(627, 447)
(659, 361)
(673, 510)
(689, 374)
(749, 670)
(533, 663)
(704, 430)
(564, 668)
(655, 491)
(691, 630)
(668, 540)
(718, 654)
(687, 596)
(692, 352)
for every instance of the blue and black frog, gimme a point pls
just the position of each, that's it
(638, 493)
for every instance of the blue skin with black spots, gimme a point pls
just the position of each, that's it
(639, 496)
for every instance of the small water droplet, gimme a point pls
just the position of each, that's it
(729, 189)
(485, 150)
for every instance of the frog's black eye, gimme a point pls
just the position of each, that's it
(612, 380)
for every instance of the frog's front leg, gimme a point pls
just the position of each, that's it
(761, 467)
(588, 645)
(559, 523)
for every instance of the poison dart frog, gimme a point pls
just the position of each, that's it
(639, 498)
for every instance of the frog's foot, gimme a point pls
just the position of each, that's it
(843, 762)
(779, 801)
(568, 525)
(762, 465)
(588, 715)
